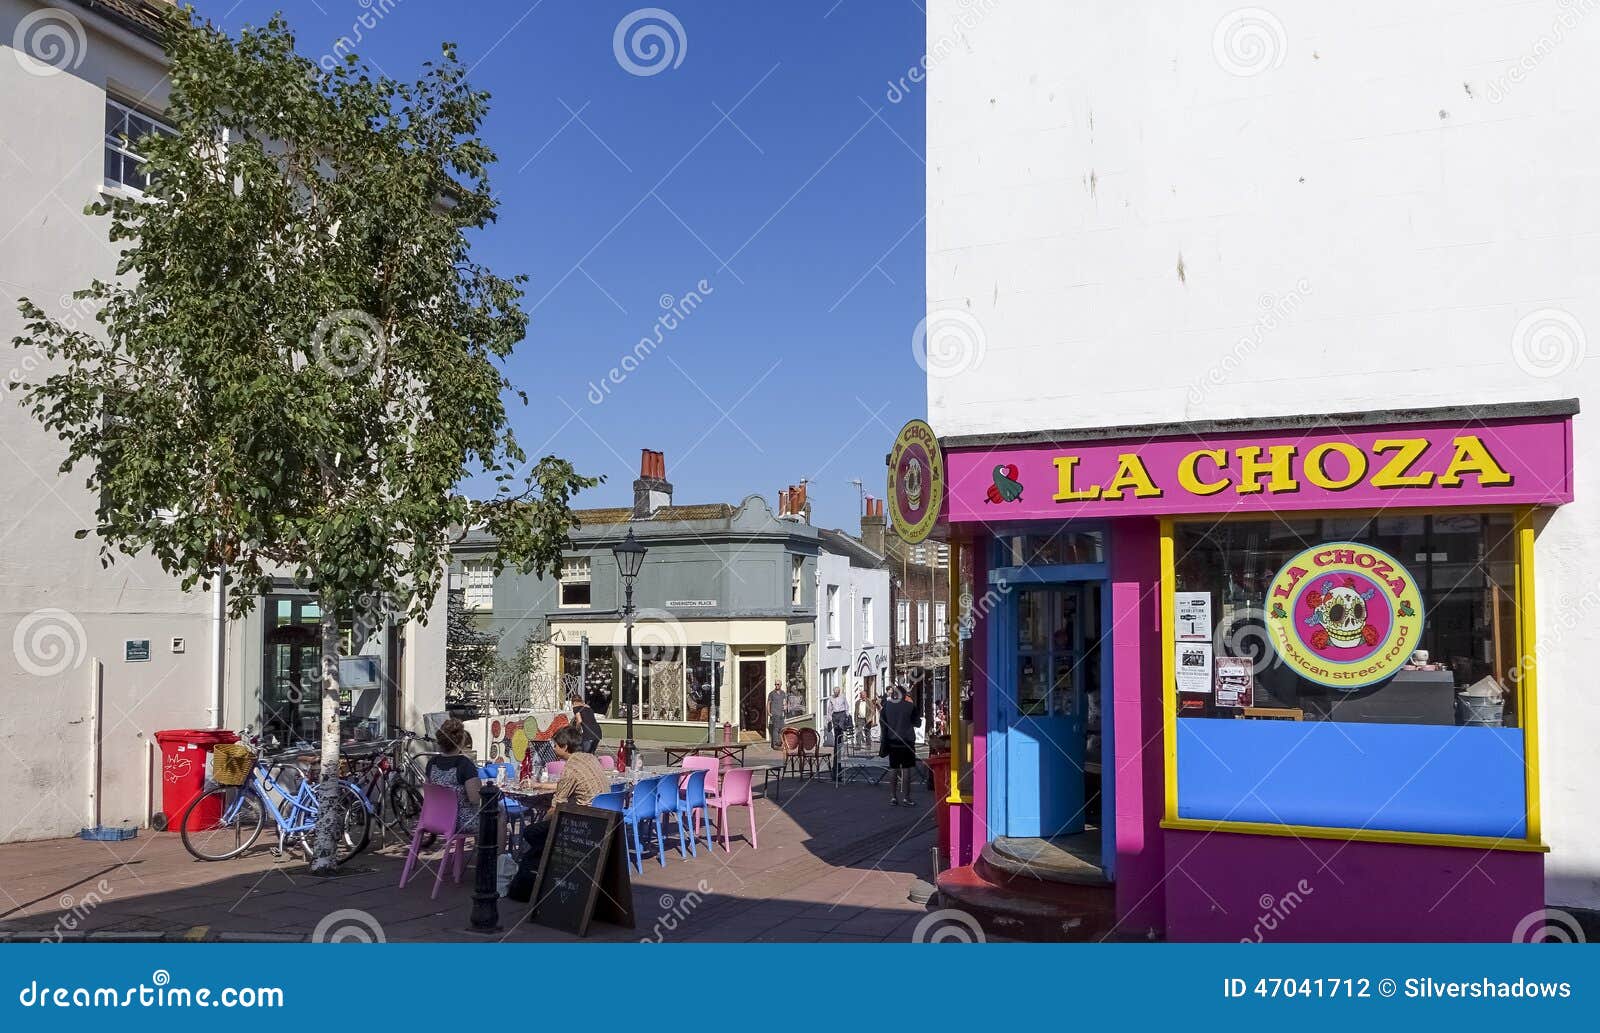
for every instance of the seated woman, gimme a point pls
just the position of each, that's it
(450, 769)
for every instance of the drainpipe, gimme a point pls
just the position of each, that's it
(219, 646)
(96, 691)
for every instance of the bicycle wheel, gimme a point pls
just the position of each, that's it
(212, 838)
(403, 805)
(356, 823)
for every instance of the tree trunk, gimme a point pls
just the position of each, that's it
(329, 819)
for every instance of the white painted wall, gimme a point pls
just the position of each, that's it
(54, 594)
(855, 585)
(1373, 206)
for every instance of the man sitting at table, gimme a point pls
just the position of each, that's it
(581, 781)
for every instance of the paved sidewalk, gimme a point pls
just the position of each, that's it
(835, 863)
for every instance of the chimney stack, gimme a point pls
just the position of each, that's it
(792, 504)
(872, 525)
(652, 490)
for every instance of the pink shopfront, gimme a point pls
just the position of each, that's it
(1276, 677)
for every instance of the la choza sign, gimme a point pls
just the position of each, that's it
(1502, 463)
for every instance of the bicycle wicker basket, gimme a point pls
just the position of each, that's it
(230, 763)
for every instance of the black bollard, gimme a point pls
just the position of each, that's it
(485, 893)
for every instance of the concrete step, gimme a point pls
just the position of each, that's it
(1043, 912)
(1070, 860)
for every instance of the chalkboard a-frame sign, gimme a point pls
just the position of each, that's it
(584, 872)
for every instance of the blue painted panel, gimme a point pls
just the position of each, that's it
(1406, 778)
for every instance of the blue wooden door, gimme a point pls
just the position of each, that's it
(1041, 710)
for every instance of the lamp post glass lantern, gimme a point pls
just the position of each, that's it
(630, 557)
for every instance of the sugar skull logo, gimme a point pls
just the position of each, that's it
(1344, 614)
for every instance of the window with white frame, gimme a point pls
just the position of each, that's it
(866, 620)
(477, 585)
(922, 623)
(797, 567)
(938, 622)
(902, 623)
(575, 582)
(833, 613)
(126, 129)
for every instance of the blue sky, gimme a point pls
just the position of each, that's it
(765, 158)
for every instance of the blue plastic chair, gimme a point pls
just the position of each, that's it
(694, 796)
(642, 809)
(668, 802)
(611, 802)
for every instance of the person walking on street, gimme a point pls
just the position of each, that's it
(899, 744)
(839, 715)
(866, 715)
(776, 701)
(586, 723)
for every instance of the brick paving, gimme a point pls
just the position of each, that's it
(835, 863)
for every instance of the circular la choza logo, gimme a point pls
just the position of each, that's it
(1344, 614)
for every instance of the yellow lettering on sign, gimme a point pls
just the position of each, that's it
(1132, 474)
(1189, 472)
(1472, 456)
(1276, 466)
(1066, 470)
(1317, 471)
(1396, 473)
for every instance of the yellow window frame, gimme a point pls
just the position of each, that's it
(1526, 633)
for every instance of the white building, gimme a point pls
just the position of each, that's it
(854, 633)
(1145, 217)
(72, 75)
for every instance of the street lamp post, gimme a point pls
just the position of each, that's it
(630, 557)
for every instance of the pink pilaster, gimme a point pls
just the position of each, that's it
(1136, 724)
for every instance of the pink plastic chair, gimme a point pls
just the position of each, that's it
(735, 792)
(713, 770)
(554, 769)
(438, 817)
(608, 762)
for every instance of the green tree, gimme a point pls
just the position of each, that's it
(299, 359)
(469, 652)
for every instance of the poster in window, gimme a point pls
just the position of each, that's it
(1192, 662)
(1236, 682)
(1193, 616)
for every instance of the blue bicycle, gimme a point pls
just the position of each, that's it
(225, 821)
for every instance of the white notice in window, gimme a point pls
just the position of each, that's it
(1193, 613)
(1192, 662)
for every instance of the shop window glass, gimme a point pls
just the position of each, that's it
(796, 683)
(1356, 673)
(1455, 665)
(1061, 548)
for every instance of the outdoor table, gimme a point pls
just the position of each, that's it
(727, 752)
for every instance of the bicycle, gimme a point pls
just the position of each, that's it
(386, 772)
(244, 809)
